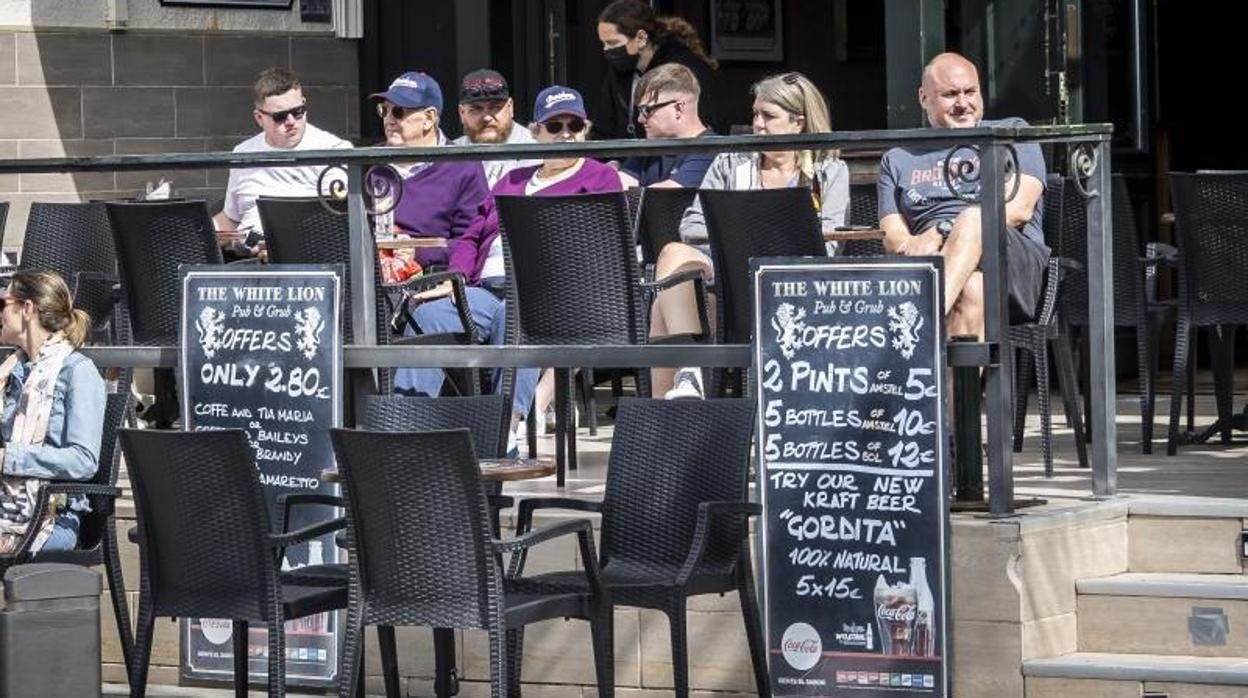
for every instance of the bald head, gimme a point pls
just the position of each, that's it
(950, 94)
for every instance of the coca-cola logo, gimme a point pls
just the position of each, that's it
(904, 612)
(801, 646)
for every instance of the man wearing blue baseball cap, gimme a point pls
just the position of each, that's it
(439, 199)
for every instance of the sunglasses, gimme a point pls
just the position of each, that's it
(487, 88)
(574, 126)
(645, 111)
(279, 117)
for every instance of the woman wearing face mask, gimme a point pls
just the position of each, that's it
(51, 410)
(783, 104)
(634, 41)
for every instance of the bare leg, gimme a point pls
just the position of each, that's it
(967, 314)
(962, 252)
(675, 311)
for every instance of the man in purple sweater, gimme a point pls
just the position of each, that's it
(440, 199)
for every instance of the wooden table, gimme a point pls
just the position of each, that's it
(409, 243)
(495, 469)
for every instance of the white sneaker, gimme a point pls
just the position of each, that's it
(688, 385)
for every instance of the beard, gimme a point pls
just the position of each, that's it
(488, 134)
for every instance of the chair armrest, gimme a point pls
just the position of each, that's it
(651, 289)
(707, 511)
(84, 488)
(500, 501)
(286, 501)
(584, 531)
(281, 540)
(524, 516)
(402, 315)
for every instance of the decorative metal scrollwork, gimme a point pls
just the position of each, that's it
(383, 188)
(1082, 166)
(965, 173)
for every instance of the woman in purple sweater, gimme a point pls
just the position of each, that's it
(558, 117)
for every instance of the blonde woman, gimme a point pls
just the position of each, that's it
(783, 105)
(51, 409)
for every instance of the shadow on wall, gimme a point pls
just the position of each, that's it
(173, 83)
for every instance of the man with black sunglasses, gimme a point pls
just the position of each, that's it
(281, 112)
(667, 107)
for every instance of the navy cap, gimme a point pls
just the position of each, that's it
(483, 86)
(413, 90)
(556, 100)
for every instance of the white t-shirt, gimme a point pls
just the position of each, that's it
(247, 184)
(497, 169)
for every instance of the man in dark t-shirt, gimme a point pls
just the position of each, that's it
(921, 216)
(667, 106)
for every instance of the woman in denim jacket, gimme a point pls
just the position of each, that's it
(51, 410)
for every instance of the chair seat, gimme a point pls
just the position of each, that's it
(299, 600)
(326, 575)
(520, 609)
(630, 583)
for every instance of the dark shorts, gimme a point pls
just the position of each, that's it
(1027, 260)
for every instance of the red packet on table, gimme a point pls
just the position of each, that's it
(397, 267)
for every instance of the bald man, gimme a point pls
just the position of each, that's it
(921, 216)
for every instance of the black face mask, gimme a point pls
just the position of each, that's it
(620, 60)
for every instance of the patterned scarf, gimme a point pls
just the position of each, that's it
(19, 495)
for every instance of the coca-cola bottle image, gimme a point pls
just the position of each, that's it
(894, 614)
(925, 610)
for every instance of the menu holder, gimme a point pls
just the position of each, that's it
(261, 350)
(850, 381)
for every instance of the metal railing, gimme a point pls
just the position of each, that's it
(1089, 164)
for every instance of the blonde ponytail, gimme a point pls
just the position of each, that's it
(77, 328)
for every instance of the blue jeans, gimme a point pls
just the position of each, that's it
(64, 533)
(489, 314)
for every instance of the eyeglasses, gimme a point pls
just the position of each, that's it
(645, 111)
(396, 112)
(5, 301)
(279, 117)
(574, 126)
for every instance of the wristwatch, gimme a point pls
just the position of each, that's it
(944, 228)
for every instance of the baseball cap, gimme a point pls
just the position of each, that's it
(556, 100)
(414, 90)
(483, 85)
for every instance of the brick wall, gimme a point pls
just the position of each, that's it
(85, 93)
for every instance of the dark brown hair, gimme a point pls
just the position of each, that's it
(55, 309)
(632, 16)
(272, 82)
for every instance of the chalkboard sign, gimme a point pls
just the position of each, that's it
(849, 377)
(261, 352)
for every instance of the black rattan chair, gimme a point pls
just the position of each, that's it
(658, 223)
(1211, 229)
(152, 240)
(76, 242)
(863, 210)
(97, 532)
(1049, 332)
(1135, 297)
(205, 546)
(746, 224)
(574, 281)
(674, 516)
(424, 555)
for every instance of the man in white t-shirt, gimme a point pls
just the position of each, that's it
(281, 112)
(487, 113)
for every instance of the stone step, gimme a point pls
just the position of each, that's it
(1164, 613)
(1104, 666)
(1186, 534)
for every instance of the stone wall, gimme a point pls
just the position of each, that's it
(92, 92)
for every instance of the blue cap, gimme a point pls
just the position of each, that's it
(556, 100)
(413, 90)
